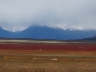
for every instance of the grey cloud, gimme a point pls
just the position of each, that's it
(17, 15)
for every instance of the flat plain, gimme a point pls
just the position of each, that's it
(47, 57)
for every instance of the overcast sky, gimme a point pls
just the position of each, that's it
(17, 15)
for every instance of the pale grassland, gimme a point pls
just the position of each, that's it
(34, 41)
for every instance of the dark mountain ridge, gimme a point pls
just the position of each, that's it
(93, 38)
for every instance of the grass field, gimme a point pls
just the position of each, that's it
(47, 61)
(35, 41)
(49, 57)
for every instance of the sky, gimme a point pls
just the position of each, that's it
(17, 15)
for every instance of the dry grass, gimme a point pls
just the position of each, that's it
(39, 61)
(35, 41)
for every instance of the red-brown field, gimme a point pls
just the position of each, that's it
(47, 57)
(38, 46)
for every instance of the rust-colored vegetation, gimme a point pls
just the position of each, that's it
(39, 46)
(47, 57)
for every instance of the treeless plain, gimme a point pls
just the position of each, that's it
(47, 57)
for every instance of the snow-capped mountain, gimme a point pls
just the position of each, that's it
(45, 32)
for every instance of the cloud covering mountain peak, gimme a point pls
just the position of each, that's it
(16, 15)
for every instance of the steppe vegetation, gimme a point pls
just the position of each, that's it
(43, 61)
(43, 56)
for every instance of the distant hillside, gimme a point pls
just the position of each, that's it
(4, 33)
(93, 38)
(44, 32)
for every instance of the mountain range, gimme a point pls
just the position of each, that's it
(45, 32)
